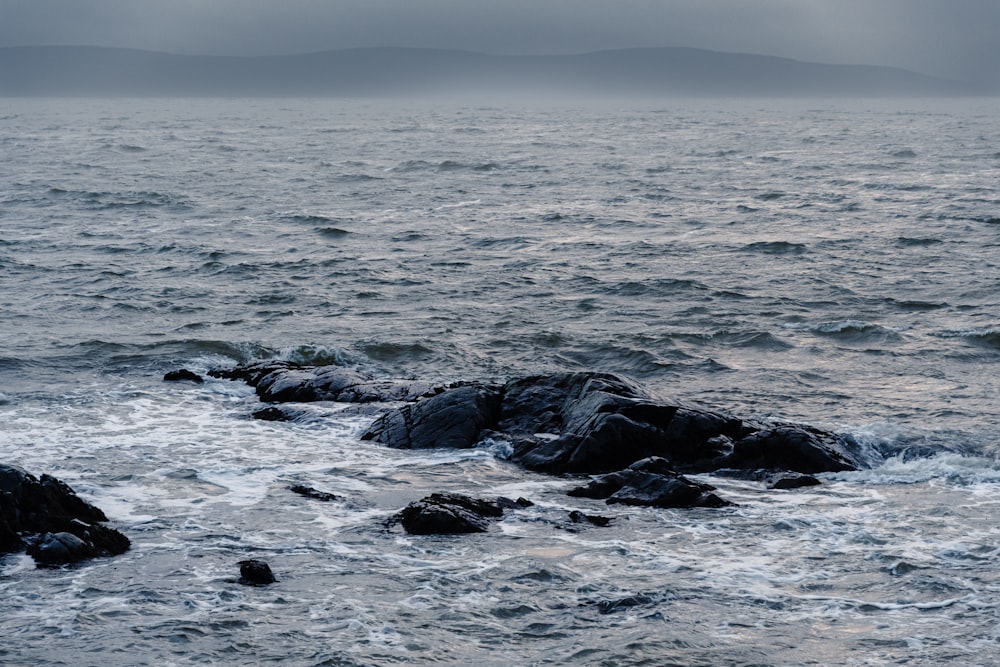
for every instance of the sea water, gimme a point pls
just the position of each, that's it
(830, 262)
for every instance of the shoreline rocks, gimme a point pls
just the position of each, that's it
(575, 423)
(45, 517)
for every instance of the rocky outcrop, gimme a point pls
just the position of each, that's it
(599, 423)
(46, 517)
(651, 483)
(571, 423)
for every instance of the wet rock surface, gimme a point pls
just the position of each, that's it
(45, 517)
(254, 572)
(650, 482)
(576, 516)
(183, 375)
(313, 494)
(450, 513)
(598, 422)
(454, 418)
(565, 423)
(282, 382)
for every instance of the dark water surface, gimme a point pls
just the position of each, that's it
(836, 263)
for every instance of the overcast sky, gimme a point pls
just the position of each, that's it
(956, 38)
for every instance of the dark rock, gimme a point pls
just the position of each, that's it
(454, 418)
(519, 504)
(790, 481)
(40, 512)
(60, 548)
(650, 482)
(600, 422)
(794, 448)
(271, 414)
(183, 375)
(312, 493)
(284, 382)
(448, 513)
(255, 572)
(251, 373)
(579, 423)
(577, 516)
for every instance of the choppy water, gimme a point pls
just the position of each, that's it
(836, 263)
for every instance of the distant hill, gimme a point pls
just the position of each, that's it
(81, 70)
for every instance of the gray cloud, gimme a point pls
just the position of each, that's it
(943, 37)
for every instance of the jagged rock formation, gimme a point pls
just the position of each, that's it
(46, 517)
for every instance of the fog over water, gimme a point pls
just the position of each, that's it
(936, 37)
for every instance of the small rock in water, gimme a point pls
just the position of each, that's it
(519, 504)
(255, 572)
(790, 480)
(183, 375)
(270, 414)
(576, 516)
(448, 513)
(310, 492)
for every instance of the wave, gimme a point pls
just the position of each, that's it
(446, 166)
(103, 200)
(332, 232)
(849, 331)
(776, 248)
(917, 242)
(989, 338)
(310, 219)
(396, 352)
(760, 340)
(658, 286)
(356, 178)
(633, 360)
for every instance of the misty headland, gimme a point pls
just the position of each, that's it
(358, 72)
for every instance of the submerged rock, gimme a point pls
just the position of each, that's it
(271, 414)
(650, 482)
(451, 513)
(46, 517)
(576, 516)
(255, 572)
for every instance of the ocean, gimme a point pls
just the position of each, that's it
(829, 262)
